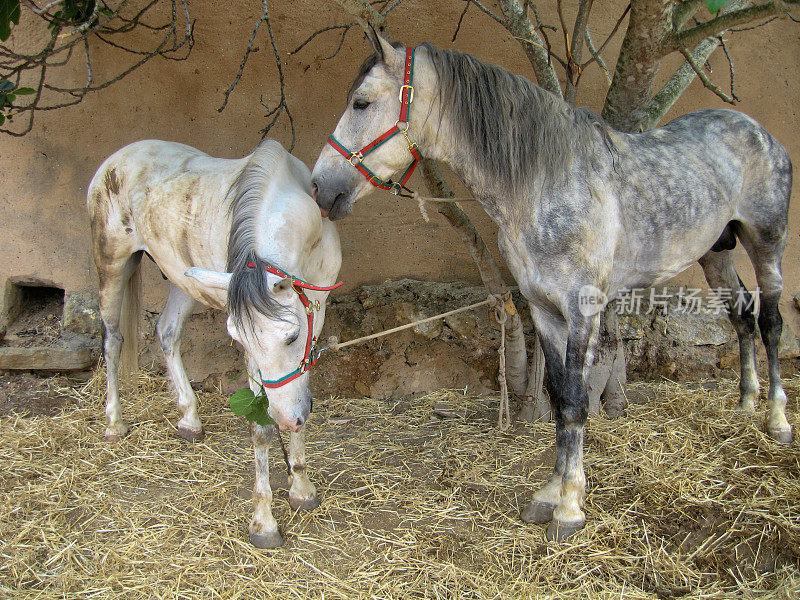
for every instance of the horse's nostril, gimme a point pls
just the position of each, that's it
(300, 422)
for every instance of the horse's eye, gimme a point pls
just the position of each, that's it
(360, 104)
(292, 338)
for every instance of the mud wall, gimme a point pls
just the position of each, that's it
(45, 174)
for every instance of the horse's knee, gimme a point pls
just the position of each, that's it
(167, 335)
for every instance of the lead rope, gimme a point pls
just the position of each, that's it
(498, 303)
(504, 412)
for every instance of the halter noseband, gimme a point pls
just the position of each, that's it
(401, 126)
(311, 355)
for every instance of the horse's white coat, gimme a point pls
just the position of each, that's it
(172, 202)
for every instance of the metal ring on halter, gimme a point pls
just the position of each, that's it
(410, 93)
(403, 130)
(357, 155)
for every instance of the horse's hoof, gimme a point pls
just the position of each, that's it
(558, 531)
(615, 407)
(746, 406)
(782, 436)
(266, 541)
(304, 504)
(115, 434)
(191, 435)
(538, 512)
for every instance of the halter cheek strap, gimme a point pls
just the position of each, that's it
(310, 356)
(401, 126)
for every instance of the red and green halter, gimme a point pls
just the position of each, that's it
(311, 354)
(401, 126)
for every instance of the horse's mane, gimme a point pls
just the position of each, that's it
(249, 287)
(508, 125)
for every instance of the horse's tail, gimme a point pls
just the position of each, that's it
(129, 324)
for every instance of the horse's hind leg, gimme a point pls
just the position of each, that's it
(170, 328)
(721, 274)
(765, 246)
(114, 279)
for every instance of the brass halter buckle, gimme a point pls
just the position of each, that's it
(356, 155)
(410, 93)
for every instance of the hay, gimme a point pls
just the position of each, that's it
(687, 499)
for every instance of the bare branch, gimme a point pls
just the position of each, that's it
(680, 80)
(693, 35)
(318, 32)
(704, 78)
(596, 56)
(610, 35)
(58, 51)
(730, 65)
(751, 27)
(364, 11)
(460, 20)
(488, 12)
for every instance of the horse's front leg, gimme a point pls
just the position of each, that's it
(263, 527)
(302, 493)
(561, 498)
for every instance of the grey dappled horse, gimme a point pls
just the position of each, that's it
(230, 234)
(579, 206)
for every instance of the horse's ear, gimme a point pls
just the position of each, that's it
(212, 279)
(387, 53)
(374, 40)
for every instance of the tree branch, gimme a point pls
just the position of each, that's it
(364, 11)
(58, 51)
(574, 53)
(704, 78)
(520, 26)
(693, 35)
(680, 80)
(596, 56)
(684, 11)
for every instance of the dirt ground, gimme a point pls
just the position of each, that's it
(687, 499)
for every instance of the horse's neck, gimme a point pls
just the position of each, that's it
(287, 230)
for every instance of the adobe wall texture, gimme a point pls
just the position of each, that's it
(45, 174)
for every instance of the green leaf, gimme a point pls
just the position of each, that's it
(2, 119)
(9, 13)
(5, 84)
(259, 415)
(24, 91)
(242, 402)
(714, 5)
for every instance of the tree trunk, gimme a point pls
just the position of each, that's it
(516, 353)
(649, 28)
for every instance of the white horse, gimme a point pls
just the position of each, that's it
(242, 235)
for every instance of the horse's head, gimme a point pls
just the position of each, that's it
(268, 317)
(341, 175)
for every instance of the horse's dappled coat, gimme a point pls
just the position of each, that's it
(579, 204)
